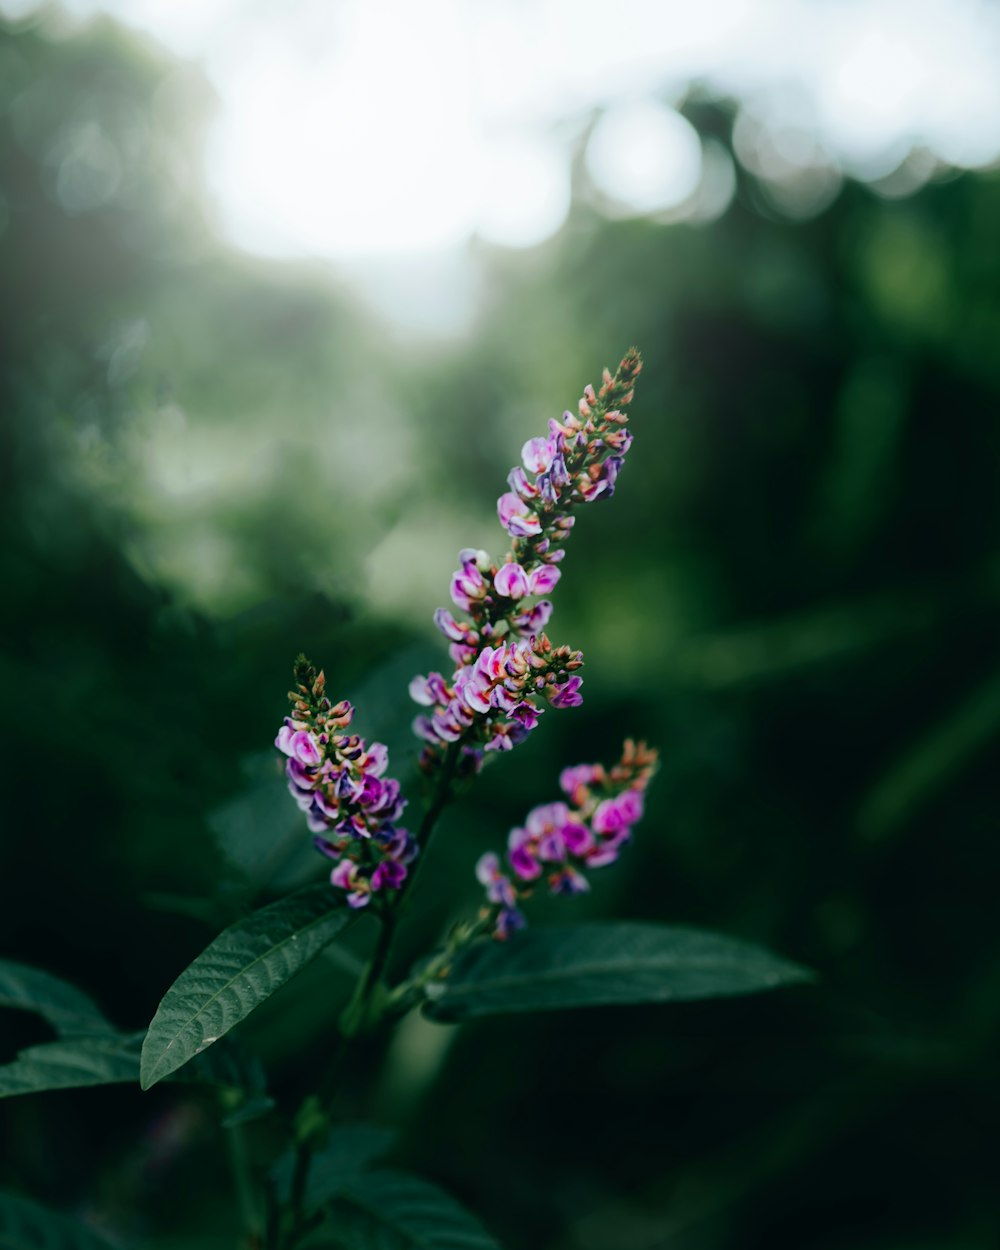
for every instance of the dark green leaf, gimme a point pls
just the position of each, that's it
(114, 1059)
(593, 964)
(70, 1064)
(243, 966)
(349, 1149)
(389, 1210)
(24, 1225)
(66, 1008)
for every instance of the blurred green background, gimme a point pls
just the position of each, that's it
(211, 462)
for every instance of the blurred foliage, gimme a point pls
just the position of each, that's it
(211, 462)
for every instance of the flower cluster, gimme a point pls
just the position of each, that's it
(503, 659)
(338, 781)
(561, 840)
(492, 701)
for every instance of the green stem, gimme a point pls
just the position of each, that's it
(239, 1161)
(442, 794)
(404, 996)
(367, 1007)
(360, 1015)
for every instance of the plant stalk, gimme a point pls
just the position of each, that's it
(239, 1162)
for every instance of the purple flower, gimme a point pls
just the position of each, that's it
(568, 881)
(534, 620)
(518, 482)
(543, 579)
(467, 584)
(516, 518)
(338, 781)
(511, 581)
(526, 714)
(537, 454)
(608, 849)
(577, 838)
(509, 920)
(489, 703)
(347, 877)
(617, 813)
(299, 744)
(574, 781)
(422, 690)
(521, 854)
(499, 889)
(558, 840)
(568, 694)
(389, 873)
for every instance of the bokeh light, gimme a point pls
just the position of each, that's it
(644, 157)
(524, 190)
(376, 128)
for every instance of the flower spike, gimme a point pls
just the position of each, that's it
(506, 667)
(338, 781)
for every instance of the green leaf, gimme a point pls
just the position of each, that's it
(349, 1149)
(243, 966)
(389, 1210)
(114, 1059)
(592, 964)
(24, 1225)
(67, 1009)
(70, 1065)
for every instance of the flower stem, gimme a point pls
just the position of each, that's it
(239, 1162)
(442, 794)
(366, 1009)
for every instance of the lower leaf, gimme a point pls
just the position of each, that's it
(591, 965)
(24, 1225)
(388, 1210)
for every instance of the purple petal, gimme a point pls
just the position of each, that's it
(343, 875)
(543, 579)
(448, 626)
(524, 863)
(568, 694)
(537, 454)
(511, 581)
(304, 749)
(509, 921)
(487, 867)
(577, 838)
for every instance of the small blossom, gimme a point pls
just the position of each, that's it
(534, 620)
(537, 454)
(511, 581)
(498, 886)
(389, 873)
(543, 579)
(516, 518)
(568, 694)
(568, 881)
(508, 921)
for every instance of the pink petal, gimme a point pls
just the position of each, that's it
(537, 454)
(543, 579)
(511, 581)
